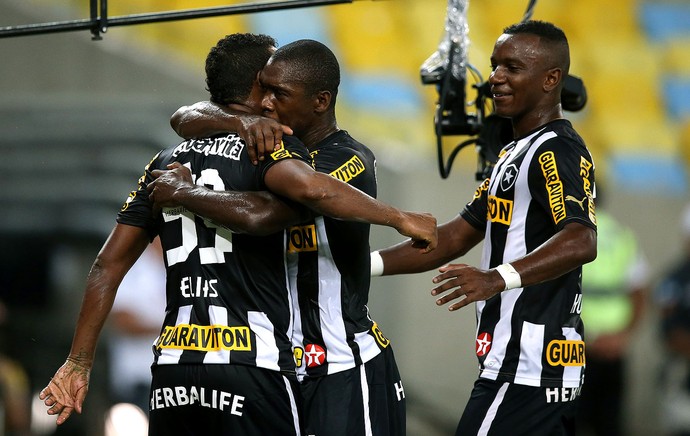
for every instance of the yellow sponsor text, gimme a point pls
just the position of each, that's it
(302, 238)
(349, 170)
(281, 153)
(378, 335)
(482, 188)
(205, 338)
(500, 210)
(554, 186)
(566, 353)
(585, 167)
(298, 352)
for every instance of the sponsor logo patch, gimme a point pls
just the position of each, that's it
(565, 353)
(302, 238)
(281, 153)
(315, 355)
(378, 335)
(483, 344)
(554, 186)
(482, 188)
(500, 210)
(349, 170)
(205, 338)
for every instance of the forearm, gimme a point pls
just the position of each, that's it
(456, 238)
(122, 248)
(96, 304)
(570, 248)
(256, 213)
(328, 196)
(203, 119)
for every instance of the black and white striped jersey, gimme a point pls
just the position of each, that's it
(533, 335)
(329, 268)
(227, 294)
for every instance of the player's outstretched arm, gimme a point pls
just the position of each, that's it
(67, 389)
(455, 238)
(255, 213)
(331, 197)
(203, 119)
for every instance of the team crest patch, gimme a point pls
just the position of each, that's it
(315, 355)
(483, 344)
(509, 176)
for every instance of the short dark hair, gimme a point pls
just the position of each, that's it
(311, 63)
(233, 63)
(548, 32)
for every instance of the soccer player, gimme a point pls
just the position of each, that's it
(223, 363)
(349, 379)
(535, 214)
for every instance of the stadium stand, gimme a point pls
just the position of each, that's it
(631, 54)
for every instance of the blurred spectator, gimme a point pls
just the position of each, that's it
(136, 320)
(673, 297)
(15, 394)
(614, 288)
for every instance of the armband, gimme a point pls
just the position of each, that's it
(376, 264)
(510, 276)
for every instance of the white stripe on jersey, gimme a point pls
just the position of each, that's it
(266, 347)
(493, 409)
(572, 374)
(367, 346)
(501, 336)
(293, 406)
(365, 399)
(531, 349)
(333, 330)
(218, 315)
(171, 356)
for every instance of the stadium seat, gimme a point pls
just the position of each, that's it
(664, 20)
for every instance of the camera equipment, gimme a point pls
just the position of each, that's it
(446, 69)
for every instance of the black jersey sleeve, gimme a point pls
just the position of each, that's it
(291, 148)
(562, 181)
(137, 209)
(475, 211)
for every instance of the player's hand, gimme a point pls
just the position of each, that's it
(66, 391)
(263, 135)
(421, 228)
(470, 284)
(169, 182)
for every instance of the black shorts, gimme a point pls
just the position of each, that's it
(500, 408)
(366, 400)
(208, 400)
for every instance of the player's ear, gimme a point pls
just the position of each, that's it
(322, 101)
(552, 79)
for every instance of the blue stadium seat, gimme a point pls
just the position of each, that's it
(677, 96)
(662, 21)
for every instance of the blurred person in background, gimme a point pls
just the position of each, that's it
(135, 322)
(15, 411)
(672, 295)
(614, 289)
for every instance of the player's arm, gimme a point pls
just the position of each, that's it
(570, 248)
(255, 213)
(455, 238)
(67, 389)
(205, 118)
(326, 195)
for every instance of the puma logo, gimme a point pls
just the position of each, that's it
(580, 202)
